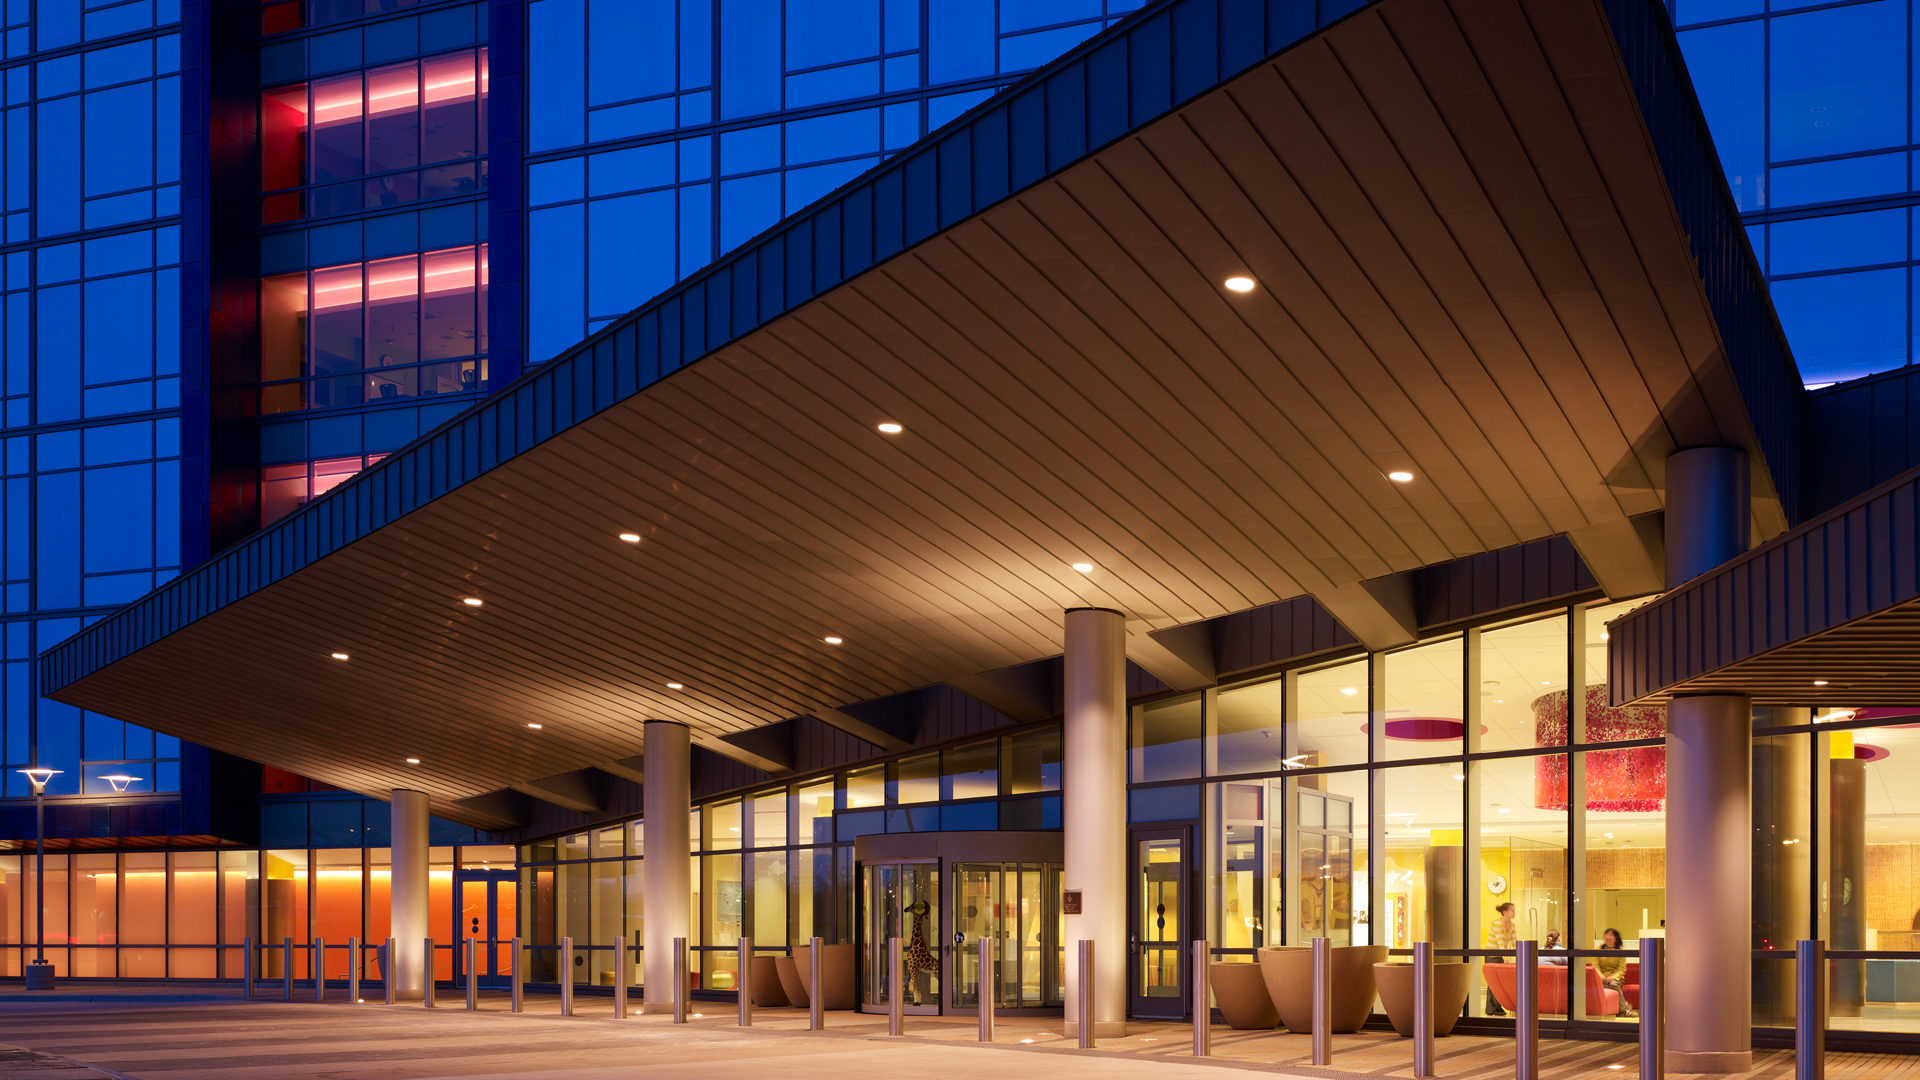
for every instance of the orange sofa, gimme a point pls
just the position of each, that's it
(1553, 989)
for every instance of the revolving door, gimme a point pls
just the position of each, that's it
(940, 893)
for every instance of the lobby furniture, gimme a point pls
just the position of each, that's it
(1631, 987)
(768, 991)
(1553, 989)
(836, 974)
(1288, 973)
(1451, 983)
(1240, 991)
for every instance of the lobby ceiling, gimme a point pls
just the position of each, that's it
(1467, 267)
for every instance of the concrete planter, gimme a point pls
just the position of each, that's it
(1241, 993)
(1451, 983)
(1288, 971)
(836, 975)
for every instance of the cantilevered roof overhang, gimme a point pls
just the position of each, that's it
(1825, 615)
(1493, 249)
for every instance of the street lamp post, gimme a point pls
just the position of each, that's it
(39, 973)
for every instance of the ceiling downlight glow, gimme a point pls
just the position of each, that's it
(630, 537)
(413, 761)
(1084, 567)
(341, 656)
(472, 601)
(1400, 476)
(889, 427)
(1239, 283)
(676, 686)
(833, 639)
(535, 727)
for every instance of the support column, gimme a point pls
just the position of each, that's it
(1709, 511)
(1709, 876)
(407, 895)
(666, 868)
(1094, 748)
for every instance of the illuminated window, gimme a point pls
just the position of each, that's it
(392, 135)
(407, 327)
(286, 488)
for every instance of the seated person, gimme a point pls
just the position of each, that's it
(1553, 944)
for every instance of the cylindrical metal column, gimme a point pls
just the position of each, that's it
(984, 999)
(1810, 1011)
(816, 1012)
(620, 979)
(426, 983)
(1322, 1001)
(1709, 863)
(566, 976)
(896, 989)
(353, 970)
(1423, 1008)
(473, 973)
(1089, 996)
(1202, 1000)
(246, 965)
(667, 871)
(519, 977)
(386, 969)
(1846, 861)
(1653, 1008)
(1708, 511)
(319, 969)
(677, 982)
(743, 982)
(407, 897)
(1526, 1010)
(1094, 746)
(286, 969)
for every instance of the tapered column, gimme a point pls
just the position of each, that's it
(408, 894)
(666, 869)
(1709, 881)
(1094, 746)
(1709, 512)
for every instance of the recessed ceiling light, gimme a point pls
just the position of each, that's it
(1499, 701)
(889, 427)
(1239, 283)
(676, 686)
(535, 727)
(833, 639)
(1546, 682)
(1084, 567)
(1459, 776)
(413, 761)
(1819, 682)
(472, 601)
(1506, 809)
(1609, 836)
(1400, 476)
(340, 656)
(630, 537)
(1349, 690)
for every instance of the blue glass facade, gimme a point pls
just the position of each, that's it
(1812, 108)
(93, 359)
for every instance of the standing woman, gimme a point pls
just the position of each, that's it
(1613, 970)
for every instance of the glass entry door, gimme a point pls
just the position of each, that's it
(1161, 932)
(485, 908)
(1016, 906)
(901, 899)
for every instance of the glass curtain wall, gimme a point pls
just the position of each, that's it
(138, 915)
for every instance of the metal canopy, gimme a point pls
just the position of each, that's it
(1825, 615)
(1469, 265)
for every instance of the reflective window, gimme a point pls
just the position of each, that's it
(383, 137)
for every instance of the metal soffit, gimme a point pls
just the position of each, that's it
(1468, 266)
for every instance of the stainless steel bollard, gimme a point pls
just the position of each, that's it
(620, 979)
(319, 969)
(353, 970)
(386, 969)
(743, 982)
(566, 976)
(246, 965)
(1810, 1011)
(519, 978)
(816, 1010)
(286, 970)
(426, 980)
(1085, 1012)
(1526, 1010)
(896, 989)
(1653, 1008)
(984, 999)
(1322, 1001)
(679, 980)
(1422, 1009)
(473, 973)
(1202, 1000)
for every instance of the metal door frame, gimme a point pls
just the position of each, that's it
(494, 881)
(1137, 1005)
(941, 931)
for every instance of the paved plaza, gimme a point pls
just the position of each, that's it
(153, 1038)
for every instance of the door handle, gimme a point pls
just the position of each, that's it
(1133, 942)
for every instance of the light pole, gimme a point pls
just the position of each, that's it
(39, 973)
